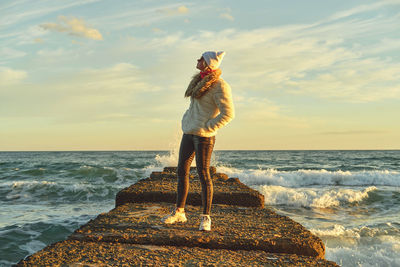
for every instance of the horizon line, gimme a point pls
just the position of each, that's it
(150, 150)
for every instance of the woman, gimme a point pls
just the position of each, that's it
(211, 108)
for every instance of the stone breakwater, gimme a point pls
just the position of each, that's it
(161, 187)
(243, 231)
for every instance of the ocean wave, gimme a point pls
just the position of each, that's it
(79, 184)
(172, 157)
(377, 245)
(79, 172)
(32, 172)
(19, 240)
(92, 172)
(313, 177)
(312, 197)
(358, 232)
(385, 253)
(26, 191)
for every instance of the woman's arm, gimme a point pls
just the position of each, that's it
(223, 99)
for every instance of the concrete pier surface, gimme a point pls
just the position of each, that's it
(244, 233)
(161, 187)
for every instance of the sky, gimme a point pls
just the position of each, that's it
(110, 75)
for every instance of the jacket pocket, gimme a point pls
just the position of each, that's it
(208, 126)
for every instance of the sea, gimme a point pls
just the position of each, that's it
(350, 199)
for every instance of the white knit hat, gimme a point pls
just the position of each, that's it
(213, 58)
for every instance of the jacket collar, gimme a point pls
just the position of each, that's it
(198, 86)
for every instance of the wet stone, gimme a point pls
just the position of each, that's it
(233, 228)
(81, 253)
(193, 170)
(161, 187)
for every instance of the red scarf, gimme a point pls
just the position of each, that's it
(205, 73)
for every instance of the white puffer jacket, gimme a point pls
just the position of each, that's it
(211, 111)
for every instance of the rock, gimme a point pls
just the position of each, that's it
(156, 175)
(233, 228)
(81, 253)
(193, 170)
(161, 188)
(220, 176)
(162, 175)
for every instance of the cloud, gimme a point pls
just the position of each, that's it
(183, 10)
(54, 58)
(340, 60)
(143, 16)
(358, 132)
(38, 40)
(227, 16)
(8, 53)
(226, 13)
(255, 108)
(119, 78)
(10, 76)
(22, 36)
(324, 60)
(73, 26)
(363, 8)
(59, 52)
(255, 111)
(157, 30)
(20, 11)
(360, 80)
(385, 45)
(174, 11)
(84, 96)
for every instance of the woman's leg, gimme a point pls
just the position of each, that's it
(186, 154)
(204, 147)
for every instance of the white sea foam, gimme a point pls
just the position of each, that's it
(340, 231)
(312, 177)
(17, 184)
(312, 197)
(19, 189)
(362, 246)
(377, 255)
(32, 246)
(86, 167)
(171, 159)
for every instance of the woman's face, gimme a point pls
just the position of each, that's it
(201, 64)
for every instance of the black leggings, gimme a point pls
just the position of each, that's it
(202, 147)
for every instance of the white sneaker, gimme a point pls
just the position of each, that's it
(205, 223)
(174, 217)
